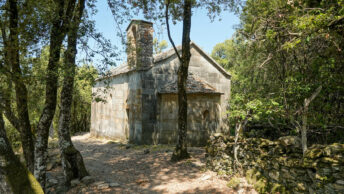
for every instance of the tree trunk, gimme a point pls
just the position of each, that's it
(14, 177)
(236, 146)
(7, 93)
(304, 118)
(20, 88)
(239, 129)
(304, 129)
(180, 152)
(58, 33)
(72, 162)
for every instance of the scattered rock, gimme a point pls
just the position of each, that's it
(205, 177)
(74, 182)
(114, 184)
(142, 181)
(242, 190)
(87, 180)
(98, 183)
(340, 182)
(128, 146)
(103, 186)
(146, 151)
(193, 165)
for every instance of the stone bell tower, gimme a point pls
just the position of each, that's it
(140, 44)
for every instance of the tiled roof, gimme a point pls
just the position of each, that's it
(193, 85)
(124, 68)
(165, 55)
(121, 69)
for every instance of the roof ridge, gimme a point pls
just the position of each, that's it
(125, 68)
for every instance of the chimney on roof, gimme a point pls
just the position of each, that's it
(140, 44)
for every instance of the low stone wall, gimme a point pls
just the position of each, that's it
(278, 166)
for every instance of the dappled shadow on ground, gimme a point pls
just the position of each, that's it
(138, 172)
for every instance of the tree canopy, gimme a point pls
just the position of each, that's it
(281, 53)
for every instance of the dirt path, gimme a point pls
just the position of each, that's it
(120, 168)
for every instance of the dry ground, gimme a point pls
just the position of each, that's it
(119, 168)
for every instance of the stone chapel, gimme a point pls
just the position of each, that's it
(141, 99)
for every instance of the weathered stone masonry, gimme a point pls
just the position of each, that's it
(141, 101)
(278, 166)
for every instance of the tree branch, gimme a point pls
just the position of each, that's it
(12, 119)
(266, 60)
(309, 100)
(315, 94)
(169, 33)
(5, 105)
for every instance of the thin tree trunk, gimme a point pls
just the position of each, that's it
(236, 146)
(239, 129)
(14, 177)
(20, 88)
(180, 152)
(304, 118)
(304, 129)
(72, 162)
(6, 103)
(58, 32)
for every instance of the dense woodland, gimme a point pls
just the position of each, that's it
(283, 53)
(286, 61)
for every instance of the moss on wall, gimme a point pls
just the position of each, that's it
(278, 166)
(20, 179)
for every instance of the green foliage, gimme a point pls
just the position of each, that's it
(82, 99)
(36, 85)
(224, 53)
(281, 52)
(158, 47)
(233, 183)
(81, 106)
(13, 136)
